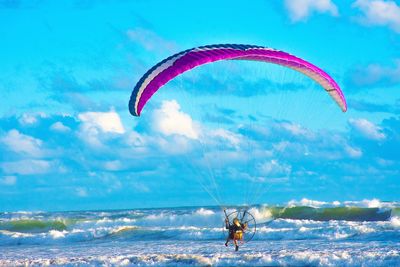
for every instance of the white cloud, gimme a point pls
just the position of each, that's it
(22, 143)
(178, 144)
(135, 139)
(170, 120)
(105, 121)
(376, 74)
(149, 39)
(110, 182)
(296, 129)
(59, 127)
(140, 187)
(96, 123)
(28, 119)
(301, 9)
(353, 152)
(233, 138)
(281, 146)
(225, 158)
(384, 162)
(113, 165)
(367, 129)
(26, 167)
(81, 192)
(8, 180)
(274, 168)
(379, 12)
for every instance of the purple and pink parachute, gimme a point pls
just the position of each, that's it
(183, 61)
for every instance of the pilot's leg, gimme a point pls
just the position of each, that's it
(236, 244)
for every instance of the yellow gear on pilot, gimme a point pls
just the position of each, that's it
(238, 235)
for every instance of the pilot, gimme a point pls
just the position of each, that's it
(236, 231)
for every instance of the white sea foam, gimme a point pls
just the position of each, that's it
(395, 221)
(262, 214)
(204, 212)
(371, 203)
(57, 234)
(283, 257)
(309, 203)
(365, 203)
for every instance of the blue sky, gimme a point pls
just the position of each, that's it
(225, 133)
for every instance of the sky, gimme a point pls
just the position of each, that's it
(226, 133)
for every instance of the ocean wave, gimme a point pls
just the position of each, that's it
(33, 225)
(335, 213)
(274, 223)
(328, 235)
(365, 203)
(281, 229)
(288, 257)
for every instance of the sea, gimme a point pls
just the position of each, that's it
(298, 233)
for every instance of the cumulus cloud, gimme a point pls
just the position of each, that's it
(267, 150)
(59, 127)
(95, 124)
(276, 130)
(233, 138)
(140, 187)
(174, 144)
(105, 121)
(219, 158)
(379, 12)
(170, 120)
(374, 106)
(374, 75)
(294, 129)
(69, 89)
(301, 9)
(21, 143)
(113, 165)
(135, 139)
(8, 180)
(274, 168)
(81, 192)
(111, 182)
(353, 152)
(367, 129)
(27, 119)
(149, 39)
(27, 167)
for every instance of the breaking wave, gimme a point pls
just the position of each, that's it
(305, 232)
(318, 220)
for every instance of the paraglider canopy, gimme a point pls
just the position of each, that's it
(183, 61)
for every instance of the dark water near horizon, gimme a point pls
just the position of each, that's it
(365, 233)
